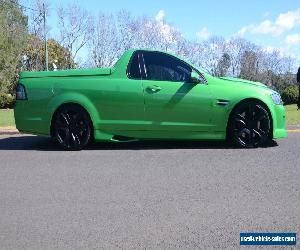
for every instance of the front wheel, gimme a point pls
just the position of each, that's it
(72, 127)
(249, 125)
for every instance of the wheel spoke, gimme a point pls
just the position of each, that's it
(243, 131)
(258, 132)
(61, 125)
(67, 138)
(261, 117)
(250, 124)
(75, 138)
(250, 113)
(59, 138)
(250, 137)
(72, 128)
(240, 120)
(66, 118)
(240, 117)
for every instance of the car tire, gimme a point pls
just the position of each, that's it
(72, 128)
(249, 125)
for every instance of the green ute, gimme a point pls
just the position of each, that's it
(146, 95)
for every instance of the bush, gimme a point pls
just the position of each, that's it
(6, 100)
(290, 95)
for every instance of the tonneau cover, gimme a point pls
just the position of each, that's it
(66, 73)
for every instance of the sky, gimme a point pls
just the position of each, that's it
(274, 24)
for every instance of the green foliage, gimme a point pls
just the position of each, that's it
(34, 53)
(59, 55)
(13, 30)
(280, 81)
(6, 100)
(290, 95)
(21, 51)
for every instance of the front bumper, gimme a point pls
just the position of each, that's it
(279, 115)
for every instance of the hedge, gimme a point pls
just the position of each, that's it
(290, 95)
(6, 100)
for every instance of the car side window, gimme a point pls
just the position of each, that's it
(133, 70)
(163, 67)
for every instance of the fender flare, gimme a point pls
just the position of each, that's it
(267, 106)
(74, 98)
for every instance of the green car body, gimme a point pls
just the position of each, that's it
(120, 104)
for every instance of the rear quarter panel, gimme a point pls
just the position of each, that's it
(112, 102)
(32, 115)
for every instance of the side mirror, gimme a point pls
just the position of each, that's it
(194, 78)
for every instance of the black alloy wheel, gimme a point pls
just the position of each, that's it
(72, 127)
(250, 125)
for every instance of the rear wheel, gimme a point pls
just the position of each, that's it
(72, 127)
(249, 125)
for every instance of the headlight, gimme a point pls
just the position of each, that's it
(276, 98)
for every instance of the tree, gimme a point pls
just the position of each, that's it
(13, 27)
(158, 34)
(223, 65)
(128, 29)
(36, 21)
(213, 50)
(249, 65)
(34, 56)
(59, 56)
(194, 52)
(75, 29)
(104, 45)
(235, 48)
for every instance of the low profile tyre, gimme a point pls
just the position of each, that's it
(249, 125)
(72, 127)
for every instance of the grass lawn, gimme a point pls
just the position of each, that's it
(292, 116)
(7, 118)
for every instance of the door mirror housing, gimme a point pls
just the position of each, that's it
(195, 78)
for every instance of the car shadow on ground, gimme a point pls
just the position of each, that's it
(39, 143)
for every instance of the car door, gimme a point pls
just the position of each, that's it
(172, 103)
(120, 100)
